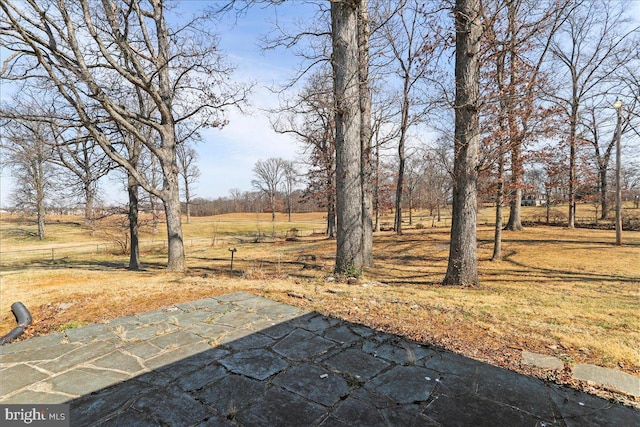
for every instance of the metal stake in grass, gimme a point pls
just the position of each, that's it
(233, 251)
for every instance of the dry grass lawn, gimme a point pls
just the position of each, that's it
(568, 293)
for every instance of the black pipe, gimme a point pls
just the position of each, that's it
(23, 318)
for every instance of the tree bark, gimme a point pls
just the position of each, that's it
(365, 133)
(176, 258)
(604, 188)
(462, 269)
(40, 196)
(515, 222)
(572, 163)
(349, 253)
(134, 252)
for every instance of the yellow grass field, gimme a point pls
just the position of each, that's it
(562, 292)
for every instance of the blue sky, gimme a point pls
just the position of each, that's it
(227, 156)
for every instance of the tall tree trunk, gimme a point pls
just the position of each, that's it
(331, 207)
(272, 203)
(604, 188)
(331, 221)
(376, 188)
(89, 195)
(172, 209)
(153, 200)
(462, 269)
(515, 141)
(349, 253)
(134, 253)
(365, 133)
(572, 164)
(187, 197)
(40, 179)
(515, 222)
(404, 124)
(497, 237)
(176, 257)
(410, 207)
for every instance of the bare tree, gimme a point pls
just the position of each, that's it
(366, 133)
(462, 269)
(344, 24)
(269, 174)
(408, 47)
(92, 52)
(189, 171)
(590, 46)
(27, 151)
(309, 117)
(289, 180)
(85, 162)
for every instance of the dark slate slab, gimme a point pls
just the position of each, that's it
(334, 422)
(129, 417)
(192, 363)
(404, 384)
(201, 377)
(451, 363)
(402, 352)
(105, 404)
(356, 362)
(473, 410)
(231, 394)
(519, 391)
(173, 407)
(359, 413)
(314, 383)
(278, 407)
(314, 322)
(216, 421)
(250, 342)
(583, 410)
(278, 330)
(259, 363)
(407, 415)
(342, 334)
(302, 345)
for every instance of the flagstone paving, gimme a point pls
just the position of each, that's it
(244, 360)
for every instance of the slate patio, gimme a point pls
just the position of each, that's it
(244, 360)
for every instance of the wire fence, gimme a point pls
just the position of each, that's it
(66, 252)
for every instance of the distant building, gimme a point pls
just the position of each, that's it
(533, 199)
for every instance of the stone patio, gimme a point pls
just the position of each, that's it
(244, 360)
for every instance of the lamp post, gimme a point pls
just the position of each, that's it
(618, 106)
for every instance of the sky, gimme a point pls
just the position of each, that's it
(227, 155)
